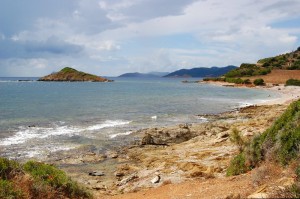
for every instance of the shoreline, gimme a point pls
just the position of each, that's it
(288, 93)
(177, 154)
(172, 156)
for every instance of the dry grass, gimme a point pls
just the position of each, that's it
(278, 76)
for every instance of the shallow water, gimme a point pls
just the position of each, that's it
(38, 118)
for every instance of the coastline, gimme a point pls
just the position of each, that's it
(288, 94)
(174, 156)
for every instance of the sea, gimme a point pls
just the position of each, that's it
(42, 118)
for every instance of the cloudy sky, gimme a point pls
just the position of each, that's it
(111, 37)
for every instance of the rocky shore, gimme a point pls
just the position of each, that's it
(177, 156)
(169, 155)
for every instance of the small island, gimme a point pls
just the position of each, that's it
(68, 74)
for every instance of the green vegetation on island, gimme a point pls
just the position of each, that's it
(36, 180)
(72, 75)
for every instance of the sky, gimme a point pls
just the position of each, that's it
(112, 37)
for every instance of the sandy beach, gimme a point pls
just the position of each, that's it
(181, 157)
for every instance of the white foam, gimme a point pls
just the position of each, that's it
(29, 133)
(202, 118)
(107, 124)
(154, 117)
(120, 134)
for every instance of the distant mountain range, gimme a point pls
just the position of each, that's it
(145, 75)
(194, 72)
(201, 72)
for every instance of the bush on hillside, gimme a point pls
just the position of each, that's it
(7, 190)
(55, 178)
(279, 143)
(292, 82)
(259, 82)
(295, 66)
(45, 180)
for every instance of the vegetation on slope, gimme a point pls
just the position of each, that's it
(72, 75)
(36, 180)
(288, 61)
(279, 143)
(292, 82)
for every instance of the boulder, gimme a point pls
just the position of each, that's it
(96, 173)
(156, 179)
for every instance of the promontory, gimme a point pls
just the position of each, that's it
(71, 75)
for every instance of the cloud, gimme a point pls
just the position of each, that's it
(14, 48)
(115, 36)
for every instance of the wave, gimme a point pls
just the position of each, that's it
(120, 134)
(108, 123)
(28, 133)
(25, 134)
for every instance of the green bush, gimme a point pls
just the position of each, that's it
(292, 82)
(295, 65)
(215, 79)
(236, 138)
(8, 168)
(7, 190)
(259, 82)
(55, 178)
(237, 165)
(281, 141)
(247, 81)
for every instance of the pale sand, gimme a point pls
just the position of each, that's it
(288, 94)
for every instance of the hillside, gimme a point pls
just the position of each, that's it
(288, 61)
(72, 75)
(201, 72)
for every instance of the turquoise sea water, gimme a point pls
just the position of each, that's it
(38, 118)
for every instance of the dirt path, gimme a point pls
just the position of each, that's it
(196, 189)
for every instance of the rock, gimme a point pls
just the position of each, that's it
(286, 182)
(112, 154)
(223, 135)
(96, 173)
(233, 196)
(128, 179)
(119, 174)
(100, 187)
(258, 195)
(155, 180)
(147, 140)
(167, 135)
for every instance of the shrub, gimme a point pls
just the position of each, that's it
(259, 82)
(8, 168)
(298, 49)
(292, 82)
(236, 138)
(295, 65)
(234, 80)
(8, 191)
(247, 81)
(281, 141)
(55, 178)
(237, 165)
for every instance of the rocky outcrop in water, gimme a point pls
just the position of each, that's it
(71, 75)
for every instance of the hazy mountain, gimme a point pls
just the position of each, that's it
(202, 72)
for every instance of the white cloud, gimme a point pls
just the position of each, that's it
(115, 36)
